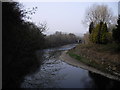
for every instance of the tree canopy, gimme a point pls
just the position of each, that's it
(98, 13)
(99, 34)
(20, 40)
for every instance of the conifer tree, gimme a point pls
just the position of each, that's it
(91, 27)
(99, 34)
(116, 31)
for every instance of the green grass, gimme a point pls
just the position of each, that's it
(78, 57)
(89, 62)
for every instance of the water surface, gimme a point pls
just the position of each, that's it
(54, 73)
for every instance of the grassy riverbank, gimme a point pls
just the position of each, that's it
(102, 57)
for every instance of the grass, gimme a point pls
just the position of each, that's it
(111, 47)
(87, 61)
(98, 56)
(82, 59)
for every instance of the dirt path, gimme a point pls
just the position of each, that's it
(66, 58)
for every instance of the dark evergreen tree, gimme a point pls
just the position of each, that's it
(104, 34)
(91, 27)
(116, 31)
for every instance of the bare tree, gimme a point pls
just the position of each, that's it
(98, 13)
(43, 26)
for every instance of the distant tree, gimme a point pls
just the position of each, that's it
(91, 26)
(116, 31)
(98, 13)
(60, 38)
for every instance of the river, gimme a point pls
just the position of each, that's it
(54, 73)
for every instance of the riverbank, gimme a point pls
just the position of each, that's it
(78, 57)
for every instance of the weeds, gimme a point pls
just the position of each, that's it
(100, 59)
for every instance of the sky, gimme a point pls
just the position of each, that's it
(64, 16)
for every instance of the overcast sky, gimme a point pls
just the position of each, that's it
(64, 16)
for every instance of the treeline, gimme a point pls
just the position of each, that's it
(20, 40)
(102, 26)
(60, 38)
(100, 33)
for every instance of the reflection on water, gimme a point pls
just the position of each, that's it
(54, 73)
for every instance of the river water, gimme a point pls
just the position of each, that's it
(54, 73)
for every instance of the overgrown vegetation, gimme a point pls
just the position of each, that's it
(20, 40)
(88, 62)
(102, 57)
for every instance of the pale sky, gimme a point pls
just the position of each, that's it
(64, 16)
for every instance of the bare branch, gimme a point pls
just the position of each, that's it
(98, 13)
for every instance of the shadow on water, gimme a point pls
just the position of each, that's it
(103, 82)
(22, 64)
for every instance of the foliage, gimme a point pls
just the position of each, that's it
(116, 31)
(20, 41)
(60, 38)
(94, 34)
(91, 27)
(100, 34)
(104, 34)
(95, 56)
